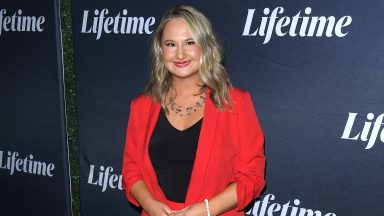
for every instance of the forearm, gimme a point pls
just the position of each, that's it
(141, 194)
(224, 201)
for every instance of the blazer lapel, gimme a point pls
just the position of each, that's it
(206, 138)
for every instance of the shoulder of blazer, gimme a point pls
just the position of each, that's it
(237, 92)
(141, 101)
(140, 107)
(238, 96)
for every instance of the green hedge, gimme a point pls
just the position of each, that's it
(70, 96)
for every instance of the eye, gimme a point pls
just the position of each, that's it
(189, 43)
(169, 44)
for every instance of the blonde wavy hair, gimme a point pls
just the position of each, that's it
(212, 72)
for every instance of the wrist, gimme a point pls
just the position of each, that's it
(207, 207)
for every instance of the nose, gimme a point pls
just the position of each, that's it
(180, 52)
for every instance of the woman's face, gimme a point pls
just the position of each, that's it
(180, 53)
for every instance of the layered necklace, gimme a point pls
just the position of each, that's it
(186, 111)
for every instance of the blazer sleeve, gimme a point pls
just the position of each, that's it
(249, 164)
(131, 170)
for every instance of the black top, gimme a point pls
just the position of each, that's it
(172, 154)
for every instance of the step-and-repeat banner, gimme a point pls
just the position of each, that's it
(34, 167)
(314, 68)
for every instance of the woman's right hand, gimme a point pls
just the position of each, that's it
(157, 208)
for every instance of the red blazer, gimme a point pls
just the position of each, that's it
(230, 149)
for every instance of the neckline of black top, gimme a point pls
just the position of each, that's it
(184, 130)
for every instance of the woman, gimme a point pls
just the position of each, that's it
(194, 145)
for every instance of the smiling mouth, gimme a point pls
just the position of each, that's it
(182, 63)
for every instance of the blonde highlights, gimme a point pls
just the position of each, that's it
(212, 72)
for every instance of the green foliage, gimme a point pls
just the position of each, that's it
(70, 96)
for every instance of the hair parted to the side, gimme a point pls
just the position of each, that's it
(212, 72)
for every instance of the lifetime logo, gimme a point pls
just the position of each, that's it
(265, 207)
(14, 162)
(298, 25)
(102, 22)
(104, 178)
(366, 133)
(20, 23)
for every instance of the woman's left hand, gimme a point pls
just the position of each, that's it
(197, 209)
